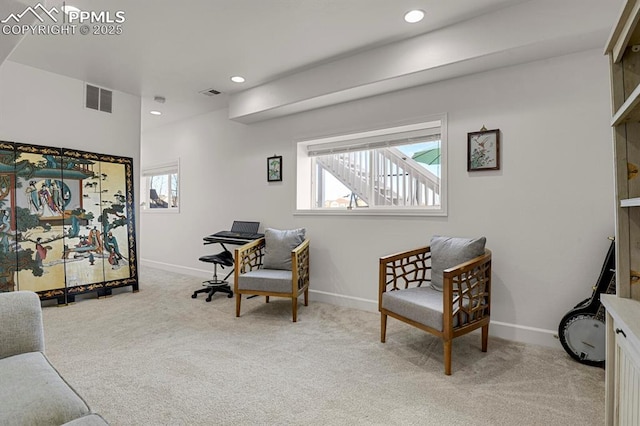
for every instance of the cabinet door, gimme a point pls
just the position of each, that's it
(628, 381)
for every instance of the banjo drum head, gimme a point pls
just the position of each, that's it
(585, 336)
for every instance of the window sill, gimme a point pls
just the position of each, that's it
(161, 211)
(370, 212)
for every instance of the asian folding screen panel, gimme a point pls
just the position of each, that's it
(66, 221)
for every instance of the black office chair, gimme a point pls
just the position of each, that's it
(214, 285)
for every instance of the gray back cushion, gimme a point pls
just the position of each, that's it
(278, 245)
(447, 252)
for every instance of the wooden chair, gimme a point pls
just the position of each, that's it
(252, 278)
(464, 304)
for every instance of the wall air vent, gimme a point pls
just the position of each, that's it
(210, 92)
(98, 98)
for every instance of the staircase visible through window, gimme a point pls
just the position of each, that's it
(384, 170)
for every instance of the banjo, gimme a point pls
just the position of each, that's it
(582, 330)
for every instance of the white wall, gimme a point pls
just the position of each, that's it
(42, 108)
(546, 214)
(39, 107)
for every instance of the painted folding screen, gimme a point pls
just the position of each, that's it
(66, 221)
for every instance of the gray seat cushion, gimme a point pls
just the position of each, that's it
(33, 393)
(273, 280)
(420, 304)
(423, 305)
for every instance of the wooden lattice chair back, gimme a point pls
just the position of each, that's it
(444, 299)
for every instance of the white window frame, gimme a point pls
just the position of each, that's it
(168, 168)
(369, 138)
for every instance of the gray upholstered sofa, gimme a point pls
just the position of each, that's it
(32, 392)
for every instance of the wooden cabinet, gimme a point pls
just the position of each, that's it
(623, 361)
(623, 309)
(623, 50)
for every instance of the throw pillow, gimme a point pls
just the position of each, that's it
(278, 246)
(447, 252)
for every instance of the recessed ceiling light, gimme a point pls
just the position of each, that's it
(414, 16)
(237, 79)
(155, 112)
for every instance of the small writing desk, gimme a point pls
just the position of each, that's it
(213, 239)
(233, 240)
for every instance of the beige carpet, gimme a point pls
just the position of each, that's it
(159, 357)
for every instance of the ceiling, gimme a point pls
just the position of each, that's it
(177, 49)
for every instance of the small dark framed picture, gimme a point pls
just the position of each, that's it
(274, 168)
(483, 150)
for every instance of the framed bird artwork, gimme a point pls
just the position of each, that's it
(483, 150)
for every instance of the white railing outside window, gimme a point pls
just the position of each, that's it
(397, 170)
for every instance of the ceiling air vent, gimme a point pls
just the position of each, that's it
(210, 92)
(98, 98)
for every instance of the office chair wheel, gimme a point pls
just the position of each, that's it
(194, 295)
(208, 299)
(229, 296)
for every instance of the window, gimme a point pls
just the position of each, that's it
(397, 170)
(160, 188)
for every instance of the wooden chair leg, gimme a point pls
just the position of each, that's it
(383, 327)
(238, 300)
(447, 357)
(485, 337)
(294, 308)
(266, 298)
(306, 296)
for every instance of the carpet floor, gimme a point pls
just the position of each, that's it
(159, 357)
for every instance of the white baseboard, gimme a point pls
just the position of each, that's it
(503, 330)
(507, 331)
(195, 272)
(344, 301)
(524, 334)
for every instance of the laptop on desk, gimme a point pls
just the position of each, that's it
(242, 230)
